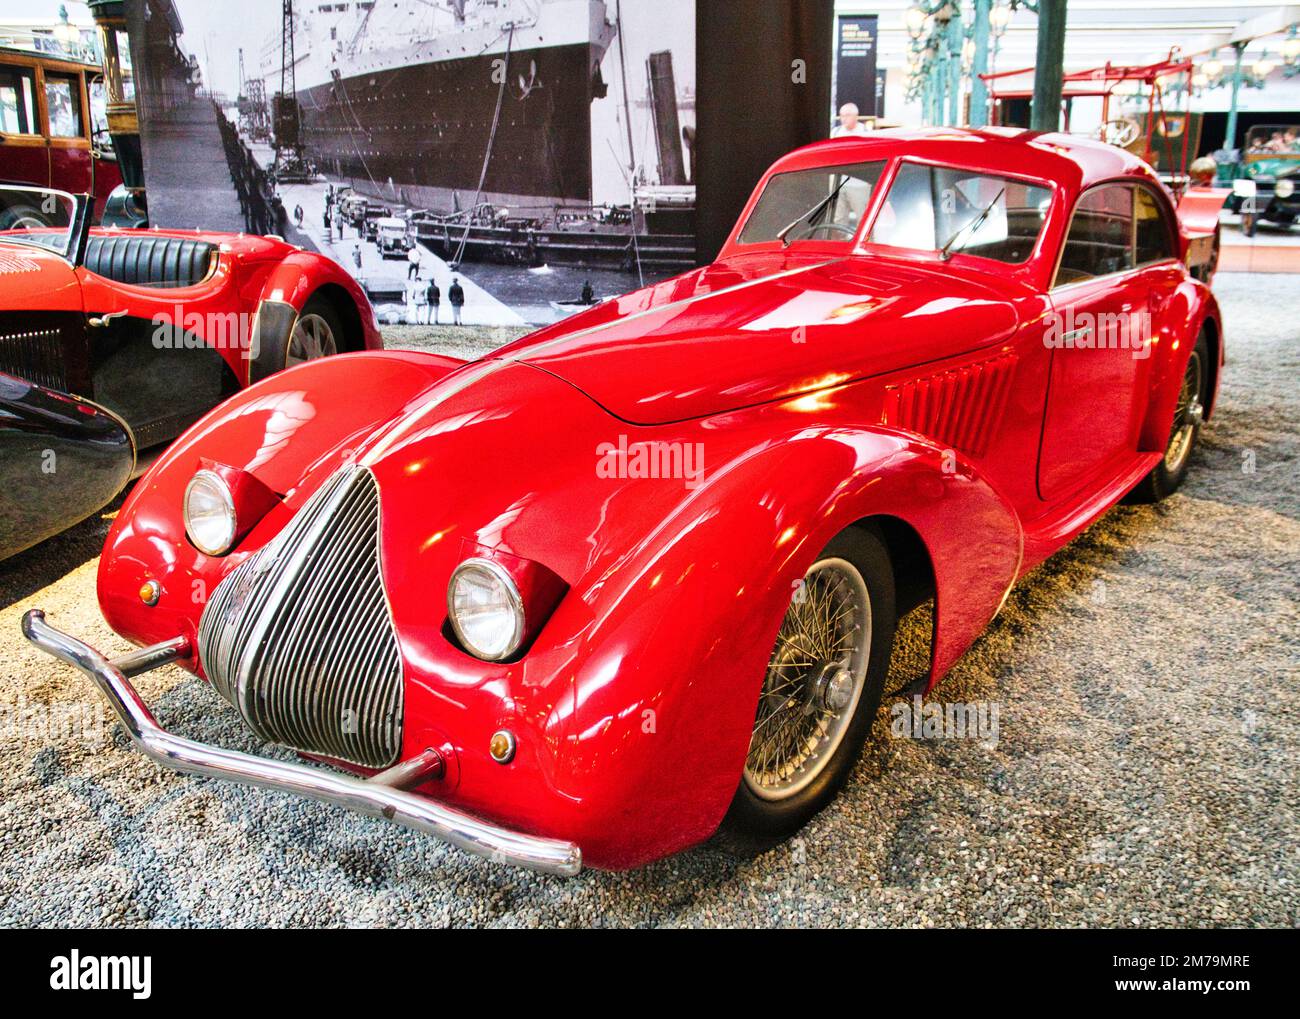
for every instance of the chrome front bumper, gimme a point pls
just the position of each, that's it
(375, 797)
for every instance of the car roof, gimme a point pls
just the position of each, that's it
(1065, 159)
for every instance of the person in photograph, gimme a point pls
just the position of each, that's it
(329, 225)
(412, 298)
(432, 298)
(297, 216)
(356, 255)
(413, 263)
(457, 298)
(588, 295)
(849, 123)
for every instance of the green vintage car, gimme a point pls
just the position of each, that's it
(1270, 186)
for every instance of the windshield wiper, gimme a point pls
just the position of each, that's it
(784, 231)
(976, 223)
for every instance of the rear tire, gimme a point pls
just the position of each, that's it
(1166, 476)
(317, 333)
(19, 217)
(819, 698)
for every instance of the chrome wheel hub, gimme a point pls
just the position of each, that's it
(814, 681)
(834, 688)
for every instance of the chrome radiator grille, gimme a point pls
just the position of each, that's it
(298, 637)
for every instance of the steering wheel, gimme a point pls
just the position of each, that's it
(1120, 132)
(811, 229)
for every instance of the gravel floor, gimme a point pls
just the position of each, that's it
(1144, 773)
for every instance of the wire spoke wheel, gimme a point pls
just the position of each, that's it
(814, 681)
(312, 338)
(1187, 416)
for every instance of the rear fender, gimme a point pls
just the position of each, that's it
(290, 432)
(688, 620)
(1191, 309)
(284, 293)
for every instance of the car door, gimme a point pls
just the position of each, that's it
(69, 131)
(1098, 335)
(1156, 242)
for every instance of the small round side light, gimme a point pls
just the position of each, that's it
(502, 746)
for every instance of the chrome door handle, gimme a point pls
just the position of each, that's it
(100, 321)
(1077, 334)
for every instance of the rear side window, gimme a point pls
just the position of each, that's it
(17, 101)
(63, 100)
(1100, 239)
(1153, 229)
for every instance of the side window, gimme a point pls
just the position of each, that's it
(17, 101)
(63, 100)
(1153, 229)
(1100, 239)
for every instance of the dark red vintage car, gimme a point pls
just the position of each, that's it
(634, 578)
(53, 133)
(113, 342)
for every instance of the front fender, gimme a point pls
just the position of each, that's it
(290, 432)
(687, 624)
(61, 459)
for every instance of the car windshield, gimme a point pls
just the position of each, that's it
(822, 204)
(37, 217)
(1273, 140)
(935, 208)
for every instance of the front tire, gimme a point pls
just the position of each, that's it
(819, 697)
(1167, 476)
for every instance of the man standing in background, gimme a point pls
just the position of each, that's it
(849, 123)
(457, 298)
(432, 298)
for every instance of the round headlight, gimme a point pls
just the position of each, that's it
(485, 609)
(1284, 188)
(209, 513)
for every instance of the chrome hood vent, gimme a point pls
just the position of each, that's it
(299, 637)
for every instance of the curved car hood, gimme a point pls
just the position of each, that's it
(759, 328)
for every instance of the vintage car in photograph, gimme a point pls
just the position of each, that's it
(113, 342)
(1267, 189)
(632, 580)
(393, 237)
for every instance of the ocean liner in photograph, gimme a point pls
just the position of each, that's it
(477, 116)
(405, 96)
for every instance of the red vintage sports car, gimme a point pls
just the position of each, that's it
(633, 579)
(113, 342)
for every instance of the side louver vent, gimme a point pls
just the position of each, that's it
(961, 407)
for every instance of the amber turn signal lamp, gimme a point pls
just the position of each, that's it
(502, 746)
